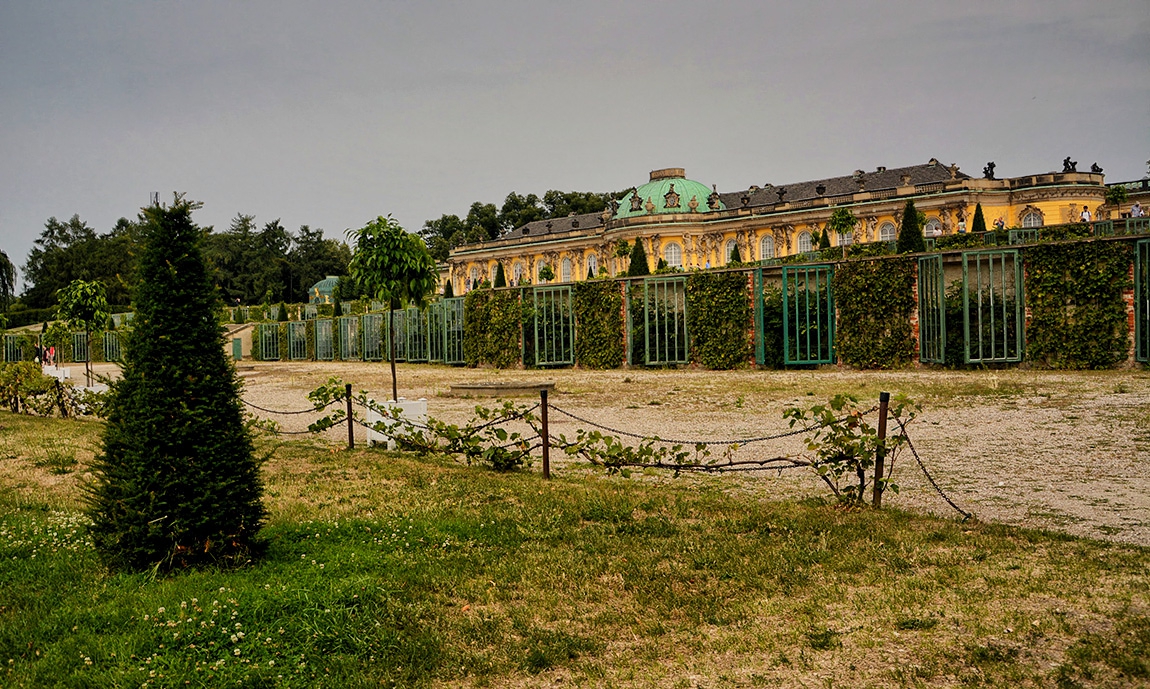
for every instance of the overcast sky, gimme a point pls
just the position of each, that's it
(331, 113)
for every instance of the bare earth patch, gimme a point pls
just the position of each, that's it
(1068, 451)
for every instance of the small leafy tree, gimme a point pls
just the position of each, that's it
(842, 221)
(500, 276)
(176, 481)
(1116, 195)
(979, 223)
(84, 306)
(910, 239)
(393, 267)
(546, 274)
(639, 266)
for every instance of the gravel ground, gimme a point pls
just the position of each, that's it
(1055, 450)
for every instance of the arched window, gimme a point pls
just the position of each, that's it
(517, 272)
(846, 238)
(565, 270)
(673, 255)
(474, 277)
(732, 245)
(766, 247)
(886, 232)
(933, 228)
(491, 271)
(804, 242)
(539, 269)
(1032, 219)
(592, 265)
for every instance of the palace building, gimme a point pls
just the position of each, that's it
(692, 226)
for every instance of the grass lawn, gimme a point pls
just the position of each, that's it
(394, 570)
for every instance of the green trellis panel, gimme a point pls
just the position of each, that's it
(79, 347)
(1142, 301)
(399, 332)
(372, 325)
(992, 306)
(112, 349)
(297, 340)
(808, 314)
(14, 349)
(416, 322)
(310, 312)
(323, 342)
(349, 337)
(554, 326)
(665, 318)
(269, 339)
(453, 331)
(931, 311)
(760, 339)
(436, 342)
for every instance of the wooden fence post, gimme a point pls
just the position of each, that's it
(350, 422)
(546, 435)
(880, 452)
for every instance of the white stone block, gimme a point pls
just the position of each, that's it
(409, 412)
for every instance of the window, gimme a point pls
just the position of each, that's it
(933, 228)
(592, 265)
(732, 245)
(767, 247)
(474, 277)
(886, 232)
(804, 242)
(673, 255)
(565, 270)
(491, 271)
(1032, 219)
(517, 272)
(846, 238)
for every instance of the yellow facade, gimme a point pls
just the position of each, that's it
(764, 227)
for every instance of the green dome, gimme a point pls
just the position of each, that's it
(669, 191)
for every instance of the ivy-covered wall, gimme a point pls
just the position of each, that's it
(875, 300)
(719, 319)
(1077, 314)
(598, 324)
(492, 322)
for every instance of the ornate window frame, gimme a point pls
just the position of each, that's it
(673, 254)
(887, 232)
(766, 247)
(804, 242)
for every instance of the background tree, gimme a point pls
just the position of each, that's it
(546, 274)
(176, 482)
(7, 282)
(443, 235)
(84, 306)
(910, 238)
(979, 223)
(312, 258)
(638, 265)
(67, 251)
(393, 267)
(842, 221)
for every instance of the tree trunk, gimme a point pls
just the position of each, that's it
(391, 341)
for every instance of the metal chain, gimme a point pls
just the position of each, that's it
(746, 441)
(313, 410)
(937, 488)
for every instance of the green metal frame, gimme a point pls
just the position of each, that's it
(80, 351)
(112, 350)
(399, 332)
(808, 314)
(1137, 225)
(453, 331)
(349, 349)
(268, 335)
(1142, 301)
(310, 312)
(324, 351)
(373, 325)
(665, 321)
(297, 340)
(760, 327)
(417, 335)
(992, 307)
(436, 337)
(554, 326)
(931, 311)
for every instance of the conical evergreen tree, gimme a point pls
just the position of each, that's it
(282, 316)
(979, 224)
(500, 276)
(735, 258)
(910, 236)
(448, 291)
(639, 266)
(176, 480)
(825, 239)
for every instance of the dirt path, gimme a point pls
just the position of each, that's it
(1064, 451)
